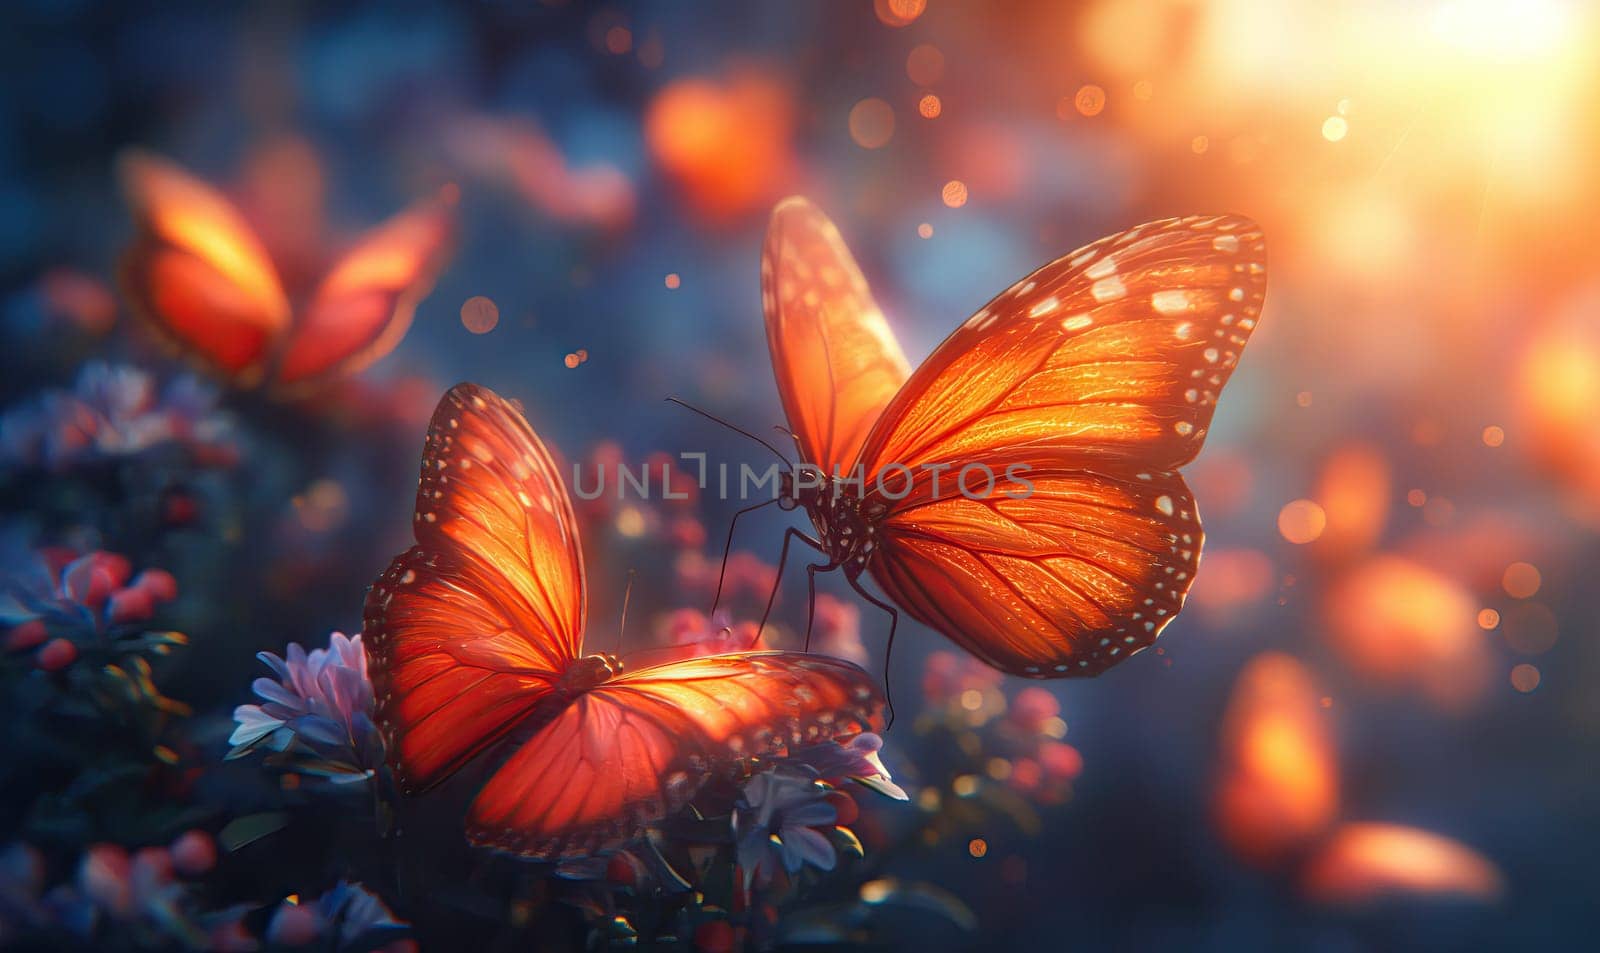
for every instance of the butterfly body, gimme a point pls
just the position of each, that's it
(1018, 492)
(589, 672)
(846, 526)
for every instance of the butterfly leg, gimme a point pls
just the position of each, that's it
(727, 548)
(888, 652)
(777, 580)
(811, 599)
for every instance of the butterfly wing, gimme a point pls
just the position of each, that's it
(1112, 355)
(836, 361)
(364, 306)
(1067, 580)
(197, 273)
(638, 747)
(472, 628)
(1099, 373)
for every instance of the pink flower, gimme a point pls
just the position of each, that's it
(345, 914)
(946, 675)
(836, 629)
(775, 826)
(114, 412)
(1032, 709)
(321, 703)
(856, 759)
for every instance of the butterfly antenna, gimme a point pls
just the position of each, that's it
(738, 430)
(622, 623)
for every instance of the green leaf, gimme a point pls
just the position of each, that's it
(248, 829)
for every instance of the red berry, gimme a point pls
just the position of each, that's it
(194, 853)
(293, 925)
(103, 876)
(714, 936)
(152, 870)
(56, 655)
(845, 807)
(1060, 761)
(158, 583)
(131, 605)
(620, 871)
(26, 635)
(115, 564)
(1026, 774)
(179, 508)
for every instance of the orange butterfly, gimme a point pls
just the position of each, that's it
(203, 279)
(1092, 379)
(479, 629)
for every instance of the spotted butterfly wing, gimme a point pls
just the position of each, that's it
(1092, 379)
(477, 631)
(474, 627)
(640, 745)
(836, 361)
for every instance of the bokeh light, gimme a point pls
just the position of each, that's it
(1089, 100)
(898, 13)
(925, 64)
(1279, 784)
(479, 314)
(872, 123)
(1302, 521)
(1404, 624)
(727, 141)
(1525, 677)
(1521, 580)
(1366, 862)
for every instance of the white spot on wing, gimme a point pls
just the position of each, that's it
(1108, 289)
(1171, 302)
(1044, 307)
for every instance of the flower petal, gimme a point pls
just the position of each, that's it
(254, 724)
(808, 846)
(272, 691)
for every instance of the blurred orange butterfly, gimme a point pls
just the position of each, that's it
(203, 279)
(1276, 803)
(1094, 378)
(478, 629)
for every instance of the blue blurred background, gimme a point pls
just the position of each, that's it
(1399, 489)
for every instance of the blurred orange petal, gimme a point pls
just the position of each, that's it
(1478, 550)
(1353, 489)
(1558, 380)
(727, 143)
(1279, 786)
(1365, 862)
(1401, 623)
(1231, 580)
